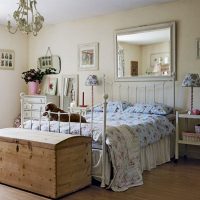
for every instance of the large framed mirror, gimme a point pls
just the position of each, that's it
(69, 91)
(145, 52)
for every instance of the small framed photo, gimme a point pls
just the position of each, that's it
(7, 59)
(50, 86)
(198, 47)
(88, 56)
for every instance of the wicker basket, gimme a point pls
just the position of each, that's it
(197, 128)
(191, 137)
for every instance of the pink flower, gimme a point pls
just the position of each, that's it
(51, 86)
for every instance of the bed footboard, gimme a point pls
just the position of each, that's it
(37, 115)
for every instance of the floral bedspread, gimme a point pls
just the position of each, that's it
(149, 128)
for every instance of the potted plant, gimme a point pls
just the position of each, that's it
(33, 77)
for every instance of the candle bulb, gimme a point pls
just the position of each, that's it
(83, 99)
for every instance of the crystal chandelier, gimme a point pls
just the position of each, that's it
(27, 18)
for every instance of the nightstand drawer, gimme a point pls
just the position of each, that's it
(31, 105)
(35, 114)
(36, 100)
(27, 106)
(83, 110)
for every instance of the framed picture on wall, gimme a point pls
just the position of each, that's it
(7, 58)
(50, 86)
(88, 56)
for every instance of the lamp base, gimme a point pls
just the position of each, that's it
(83, 106)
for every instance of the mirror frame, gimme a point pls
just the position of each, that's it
(73, 76)
(144, 28)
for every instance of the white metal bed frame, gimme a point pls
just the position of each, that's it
(129, 90)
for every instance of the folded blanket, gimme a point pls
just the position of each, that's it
(124, 149)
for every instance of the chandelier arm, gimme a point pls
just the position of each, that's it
(13, 31)
(32, 24)
(35, 33)
(22, 12)
(27, 18)
(27, 10)
(20, 9)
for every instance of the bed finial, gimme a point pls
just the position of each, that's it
(22, 94)
(105, 96)
(104, 83)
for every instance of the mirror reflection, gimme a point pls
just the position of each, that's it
(145, 52)
(69, 94)
(46, 62)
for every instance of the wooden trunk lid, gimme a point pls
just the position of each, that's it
(43, 139)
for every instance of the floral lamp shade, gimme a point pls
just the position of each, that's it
(191, 80)
(91, 80)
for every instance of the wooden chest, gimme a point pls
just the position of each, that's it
(50, 164)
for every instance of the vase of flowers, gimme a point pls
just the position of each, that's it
(33, 78)
(33, 87)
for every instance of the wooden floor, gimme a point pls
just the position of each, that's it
(167, 182)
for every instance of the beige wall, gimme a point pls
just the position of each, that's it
(10, 82)
(131, 53)
(64, 39)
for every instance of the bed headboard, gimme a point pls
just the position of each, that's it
(142, 92)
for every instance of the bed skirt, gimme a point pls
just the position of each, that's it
(151, 156)
(157, 153)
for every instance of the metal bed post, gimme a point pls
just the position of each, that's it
(80, 123)
(104, 140)
(128, 93)
(22, 109)
(119, 92)
(112, 89)
(104, 83)
(49, 116)
(136, 97)
(163, 88)
(40, 125)
(145, 93)
(59, 121)
(69, 120)
(174, 90)
(31, 116)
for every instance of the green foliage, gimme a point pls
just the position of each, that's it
(36, 74)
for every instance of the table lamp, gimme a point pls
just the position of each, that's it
(191, 80)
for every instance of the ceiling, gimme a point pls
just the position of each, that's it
(56, 11)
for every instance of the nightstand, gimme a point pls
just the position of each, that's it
(32, 105)
(186, 137)
(79, 108)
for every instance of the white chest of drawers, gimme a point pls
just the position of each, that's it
(33, 105)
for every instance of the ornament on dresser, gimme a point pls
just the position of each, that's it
(33, 77)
